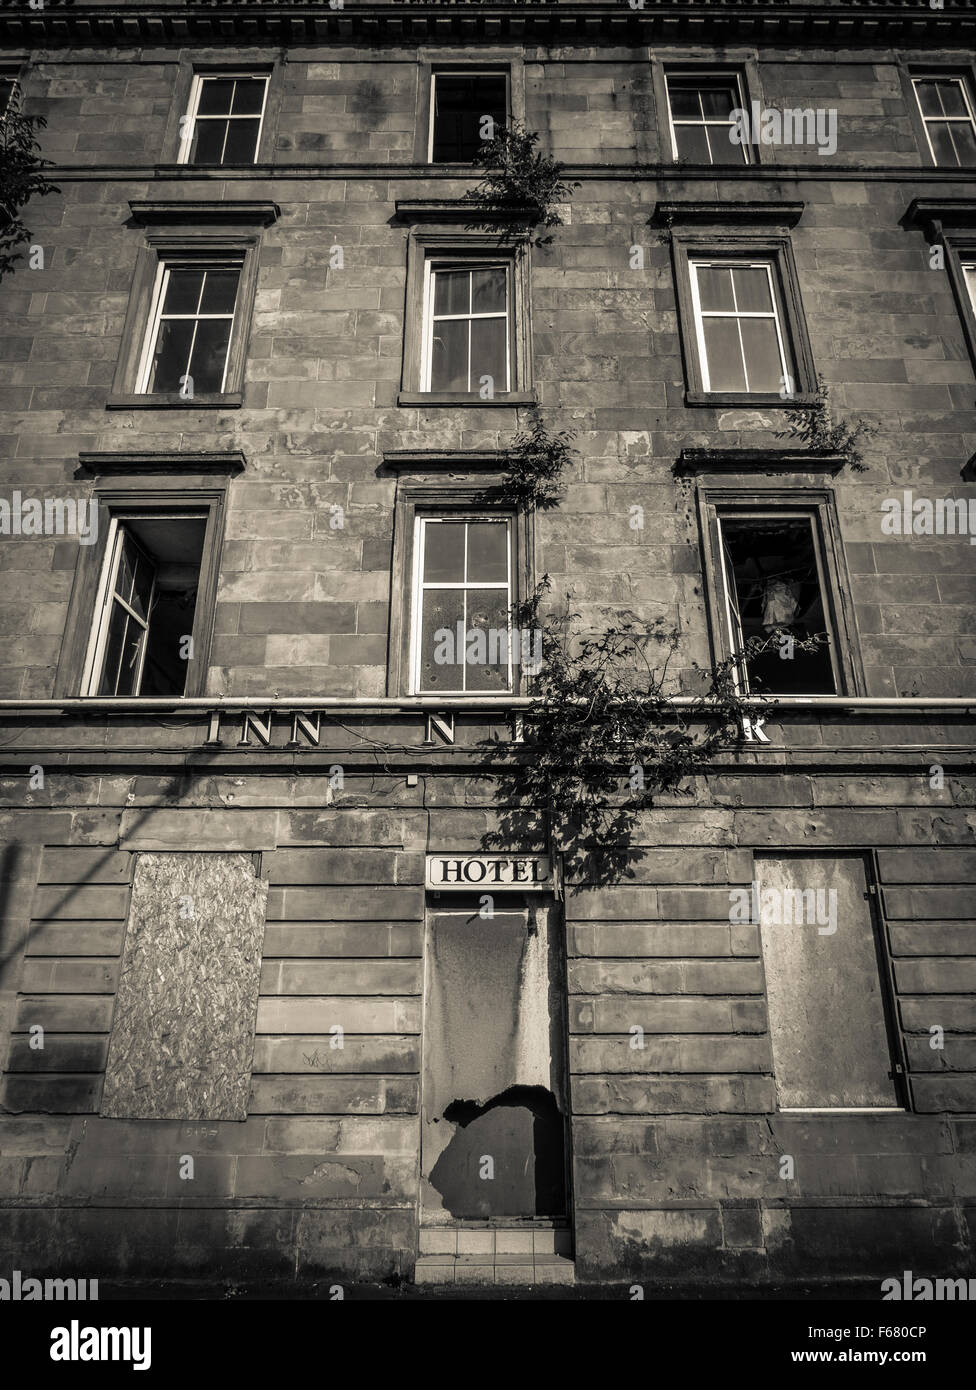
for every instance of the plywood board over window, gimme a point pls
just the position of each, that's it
(183, 1033)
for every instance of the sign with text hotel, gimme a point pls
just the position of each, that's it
(528, 872)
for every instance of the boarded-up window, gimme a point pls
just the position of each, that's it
(183, 1031)
(823, 984)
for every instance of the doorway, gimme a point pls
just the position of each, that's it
(494, 1144)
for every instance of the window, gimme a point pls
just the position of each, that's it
(835, 1040)
(777, 588)
(184, 343)
(190, 325)
(949, 226)
(467, 327)
(460, 102)
(740, 312)
(740, 338)
(8, 86)
(463, 593)
(700, 107)
(946, 109)
(462, 559)
(774, 595)
(142, 635)
(467, 338)
(223, 120)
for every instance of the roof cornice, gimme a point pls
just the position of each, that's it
(107, 23)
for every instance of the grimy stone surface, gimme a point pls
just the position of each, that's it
(677, 1148)
(183, 1029)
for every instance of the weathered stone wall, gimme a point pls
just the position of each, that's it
(303, 607)
(676, 1149)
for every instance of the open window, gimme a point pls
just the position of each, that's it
(8, 86)
(778, 595)
(142, 633)
(774, 591)
(466, 107)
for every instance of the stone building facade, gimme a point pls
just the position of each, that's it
(255, 1018)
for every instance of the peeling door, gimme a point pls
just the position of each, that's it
(494, 1130)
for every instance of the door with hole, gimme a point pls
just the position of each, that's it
(494, 1133)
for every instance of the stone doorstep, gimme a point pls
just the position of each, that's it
(442, 1240)
(511, 1270)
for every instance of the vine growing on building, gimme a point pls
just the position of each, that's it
(22, 177)
(814, 424)
(517, 176)
(605, 736)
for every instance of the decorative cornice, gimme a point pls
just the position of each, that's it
(104, 23)
(727, 213)
(935, 214)
(154, 212)
(759, 461)
(109, 465)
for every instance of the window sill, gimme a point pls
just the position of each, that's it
(455, 398)
(760, 400)
(228, 400)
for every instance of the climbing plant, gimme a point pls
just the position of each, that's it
(518, 176)
(605, 736)
(22, 177)
(537, 460)
(814, 424)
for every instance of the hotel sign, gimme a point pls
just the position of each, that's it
(528, 872)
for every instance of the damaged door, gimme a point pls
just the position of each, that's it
(494, 1130)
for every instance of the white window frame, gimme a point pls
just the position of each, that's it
(431, 265)
(189, 124)
(969, 118)
(101, 618)
(969, 278)
(462, 72)
(156, 316)
(733, 263)
(731, 604)
(705, 77)
(419, 588)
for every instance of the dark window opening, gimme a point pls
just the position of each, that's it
(461, 102)
(8, 86)
(143, 642)
(777, 613)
